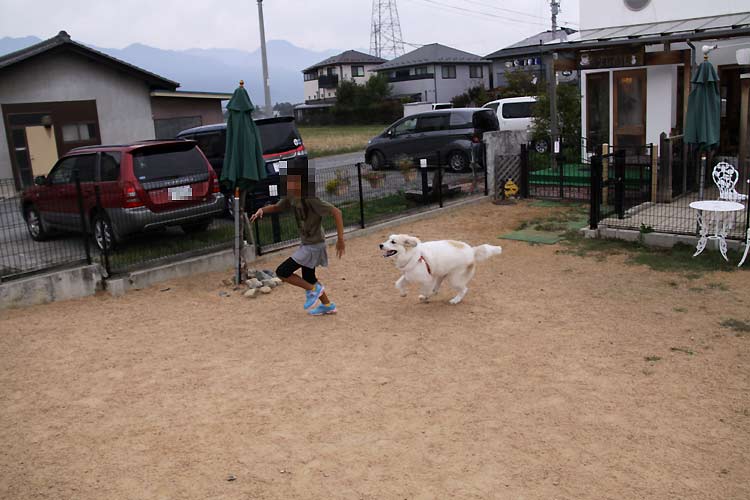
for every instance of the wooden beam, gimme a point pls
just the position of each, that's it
(744, 109)
(671, 57)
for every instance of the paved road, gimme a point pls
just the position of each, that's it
(327, 162)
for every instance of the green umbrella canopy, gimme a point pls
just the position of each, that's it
(704, 108)
(243, 160)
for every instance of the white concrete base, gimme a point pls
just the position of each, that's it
(660, 240)
(50, 287)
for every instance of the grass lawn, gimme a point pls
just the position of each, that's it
(332, 140)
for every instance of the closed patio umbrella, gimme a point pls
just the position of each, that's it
(704, 112)
(243, 163)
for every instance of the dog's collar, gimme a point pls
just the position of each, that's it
(422, 259)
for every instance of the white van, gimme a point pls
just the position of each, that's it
(513, 113)
(413, 108)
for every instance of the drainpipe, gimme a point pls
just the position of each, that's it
(692, 58)
(434, 79)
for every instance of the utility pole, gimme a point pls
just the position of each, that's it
(555, 7)
(268, 111)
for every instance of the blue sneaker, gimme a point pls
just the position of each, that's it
(311, 296)
(323, 309)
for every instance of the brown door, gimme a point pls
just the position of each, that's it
(629, 95)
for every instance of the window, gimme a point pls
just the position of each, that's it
(405, 127)
(63, 172)
(476, 72)
(311, 76)
(517, 109)
(85, 166)
(78, 132)
(110, 166)
(420, 70)
(449, 72)
(169, 161)
(213, 144)
(432, 123)
(358, 71)
(493, 106)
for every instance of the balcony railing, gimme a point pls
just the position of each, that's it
(328, 81)
(406, 78)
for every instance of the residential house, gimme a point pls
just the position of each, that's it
(322, 79)
(435, 73)
(526, 56)
(60, 94)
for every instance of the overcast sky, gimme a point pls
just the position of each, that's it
(479, 26)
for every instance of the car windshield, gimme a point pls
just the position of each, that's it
(168, 162)
(485, 120)
(493, 106)
(278, 137)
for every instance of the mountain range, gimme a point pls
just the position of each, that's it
(215, 70)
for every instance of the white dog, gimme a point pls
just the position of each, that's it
(431, 262)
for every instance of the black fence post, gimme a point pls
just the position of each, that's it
(620, 183)
(596, 191)
(104, 247)
(560, 165)
(361, 196)
(484, 163)
(440, 186)
(425, 185)
(84, 230)
(524, 170)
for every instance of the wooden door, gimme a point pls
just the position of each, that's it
(629, 96)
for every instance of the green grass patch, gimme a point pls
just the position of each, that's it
(652, 358)
(679, 309)
(682, 349)
(337, 139)
(676, 259)
(737, 325)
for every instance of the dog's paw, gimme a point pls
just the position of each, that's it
(454, 300)
(402, 293)
(423, 298)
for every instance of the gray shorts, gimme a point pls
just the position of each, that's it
(311, 256)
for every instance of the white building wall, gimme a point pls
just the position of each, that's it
(661, 88)
(603, 13)
(311, 89)
(123, 102)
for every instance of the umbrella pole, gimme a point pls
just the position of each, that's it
(237, 238)
(248, 230)
(702, 175)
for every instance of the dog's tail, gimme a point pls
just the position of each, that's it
(484, 252)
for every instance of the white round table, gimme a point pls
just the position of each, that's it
(718, 210)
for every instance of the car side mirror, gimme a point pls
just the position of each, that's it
(40, 180)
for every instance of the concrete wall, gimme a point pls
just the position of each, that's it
(600, 13)
(123, 102)
(177, 107)
(60, 285)
(503, 157)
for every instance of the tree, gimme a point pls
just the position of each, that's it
(568, 119)
(520, 83)
(368, 103)
(474, 97)
(284, 108)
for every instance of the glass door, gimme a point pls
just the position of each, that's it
(629, 109)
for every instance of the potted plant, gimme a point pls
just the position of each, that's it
(339, 185)
(406, 166)
(376, 179)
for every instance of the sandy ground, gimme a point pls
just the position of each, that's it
(535, 387)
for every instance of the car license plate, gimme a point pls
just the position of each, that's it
(180, 193)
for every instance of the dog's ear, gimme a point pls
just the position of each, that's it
(411, 241)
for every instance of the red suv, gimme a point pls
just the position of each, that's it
(143, 186)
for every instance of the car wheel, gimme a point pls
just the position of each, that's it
(35, 224)
(457, 161)
(541, 146)
(198, 227)
(104, 237)
(377, 160)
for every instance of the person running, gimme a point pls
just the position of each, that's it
(308, 212)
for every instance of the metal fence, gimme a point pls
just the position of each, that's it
(569, 179)
(366, 197)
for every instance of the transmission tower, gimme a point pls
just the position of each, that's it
(385, 37)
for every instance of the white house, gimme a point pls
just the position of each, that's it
(435, 73)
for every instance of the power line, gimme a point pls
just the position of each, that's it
(504, 9)
(385, 36)
(473, 13)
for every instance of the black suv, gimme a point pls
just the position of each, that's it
(281, 144)
(453, 135)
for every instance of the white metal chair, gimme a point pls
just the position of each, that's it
(726, 177)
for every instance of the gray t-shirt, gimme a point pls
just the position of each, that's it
(308, 213)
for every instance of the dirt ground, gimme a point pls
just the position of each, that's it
(535, 387)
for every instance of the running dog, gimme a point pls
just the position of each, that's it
(429, 263)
